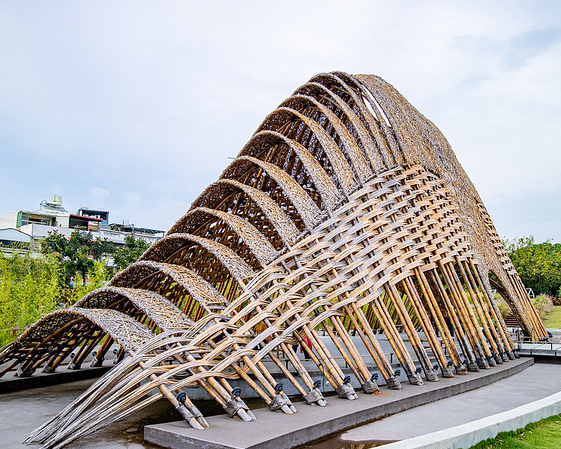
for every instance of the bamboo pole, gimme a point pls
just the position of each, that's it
(505, 335)
(481, 318)
(427, 327)
(480, 346)
(411, 333)
(292, 357)
(464, 335)
(191, 420)
(483, 312)
(440, 322)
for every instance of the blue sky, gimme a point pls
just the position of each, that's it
(136, 106)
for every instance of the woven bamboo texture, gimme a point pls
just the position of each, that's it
(346, 216)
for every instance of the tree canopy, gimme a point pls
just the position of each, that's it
(29, 288)
(133, 249)
(33, 285)
(76, 254)
(538, 264)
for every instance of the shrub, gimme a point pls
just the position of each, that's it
(504, 308)
(29, 288)
(543, 304)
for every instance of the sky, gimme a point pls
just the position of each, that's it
(137, 106)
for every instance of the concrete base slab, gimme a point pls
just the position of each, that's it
(10, 383)
(274, 430)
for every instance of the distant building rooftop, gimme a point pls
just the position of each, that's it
(51, 216)
(11, 235)
(125, 227)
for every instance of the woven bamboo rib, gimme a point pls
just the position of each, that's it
(346, 216)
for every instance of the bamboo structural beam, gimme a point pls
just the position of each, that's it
(345, 226)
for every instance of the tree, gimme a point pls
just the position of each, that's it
(80, 262)
(538, 264)
(133, 249)
(76, 254)
(100, 249)
(54, 243)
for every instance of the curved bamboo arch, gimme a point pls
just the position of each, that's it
(328, 191)
(384, 143)
(358, 160)
(156, 307)
(281, 221)
(229, 259)
(257, 243)
(128, 332)
(344, 173)
(202, 292)
(366, 140)
(305, 206)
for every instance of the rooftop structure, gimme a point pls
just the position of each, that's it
(52, 216)
(10, 235)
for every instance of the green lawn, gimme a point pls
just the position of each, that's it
(553, 320)
(545, 434)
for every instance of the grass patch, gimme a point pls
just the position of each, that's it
(544, 434)
(553, 319)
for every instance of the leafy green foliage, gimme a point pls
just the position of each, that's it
(98, 276)
(77, 254)
(29, 287)
(100, 249)
(539, 264)
(33, 285)
(133, 249)
(543, 304)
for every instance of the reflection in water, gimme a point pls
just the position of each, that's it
(337, 442)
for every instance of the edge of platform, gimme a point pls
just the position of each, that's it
(272, 430)
(46, 379)
(466, 435)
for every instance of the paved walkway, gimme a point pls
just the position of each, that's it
(24, 411)
(535, 382)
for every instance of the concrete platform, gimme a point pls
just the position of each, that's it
(548, 352)
(10, 383)
(273, 430)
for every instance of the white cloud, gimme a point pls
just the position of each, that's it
(99, 192)
(149, 99)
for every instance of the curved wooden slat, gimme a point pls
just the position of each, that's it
(204, 293)
(231, 261)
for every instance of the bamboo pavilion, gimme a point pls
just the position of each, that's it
(346, 216)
